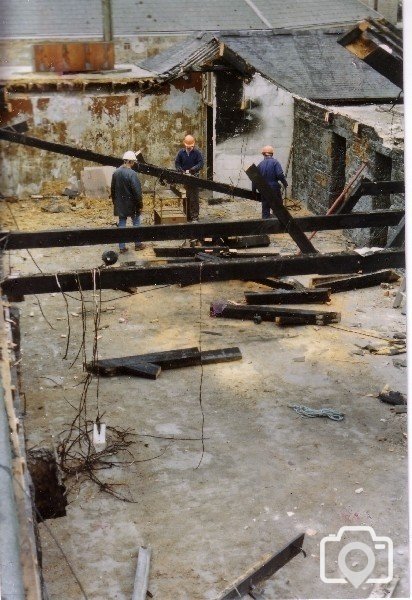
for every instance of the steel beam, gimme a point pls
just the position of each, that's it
(141, 167)
(196, 272)
(18, 240)
(284, 216)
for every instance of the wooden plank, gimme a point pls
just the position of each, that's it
(320, 295)
(195, 272)
(270, 313)
(210, 357)
(284, 216)
(141, 580)
(356, 282)
(262, 570)
(18, 240)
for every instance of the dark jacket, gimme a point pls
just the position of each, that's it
(126, 193)
(271, 172)
(192, 161)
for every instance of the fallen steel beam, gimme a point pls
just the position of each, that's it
(271, 313)
(314, 296)
(356, 282)
(276, 284)
(170, 359)
(169, 251)
(17, 240)
(264, 569)
(196, 272)
(284, 216)
(141, 167)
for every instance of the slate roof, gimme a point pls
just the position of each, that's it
(83, 18)
(310, 64)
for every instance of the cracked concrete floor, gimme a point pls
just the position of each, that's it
(266, 475)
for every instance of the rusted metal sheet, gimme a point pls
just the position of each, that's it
(74, 57)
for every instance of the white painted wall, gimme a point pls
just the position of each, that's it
(274, 126)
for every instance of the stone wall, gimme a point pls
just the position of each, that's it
(319, 174)
(103, 121)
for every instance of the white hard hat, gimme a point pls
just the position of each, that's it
(129, 155)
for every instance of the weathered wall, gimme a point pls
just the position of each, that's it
(108, 123)
(315, 166)
(387, 8)
(267, 118)
(127, 50)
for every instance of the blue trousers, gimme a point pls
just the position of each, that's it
(267, 204)
(122, 223)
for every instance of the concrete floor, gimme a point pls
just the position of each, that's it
(267, 474)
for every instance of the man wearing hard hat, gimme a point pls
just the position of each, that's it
(189, 160)
(272, 173)
(126, 194)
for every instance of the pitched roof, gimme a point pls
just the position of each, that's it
(81, 18)
(310, 64)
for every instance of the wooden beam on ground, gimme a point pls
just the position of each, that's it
(18, 240)
(397, 239)
(141, 580)
(315, 296)
(357, 282)
(196, 272)
(271, 313)
(141, 167)
(281, 212)
(188, 250)
(264, 569)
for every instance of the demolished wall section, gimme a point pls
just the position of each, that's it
(154, 122)
(316, 129)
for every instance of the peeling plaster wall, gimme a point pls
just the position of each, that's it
(107, 123)
(313, 164)
(267, 119)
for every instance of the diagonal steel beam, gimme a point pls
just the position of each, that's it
(280, 211)
(141, 167)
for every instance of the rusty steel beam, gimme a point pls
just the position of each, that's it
(196, 272)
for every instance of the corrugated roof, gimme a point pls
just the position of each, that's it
(184, 56)
(51, 19)
(83, 18)
(310, 64)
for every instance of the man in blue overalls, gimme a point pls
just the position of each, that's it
(189, 160)
(272, 173)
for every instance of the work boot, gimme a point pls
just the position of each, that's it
(123, 250)
(140, 246)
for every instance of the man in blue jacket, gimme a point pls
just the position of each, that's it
(126, 194)
(189, 160)
(272, 173)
